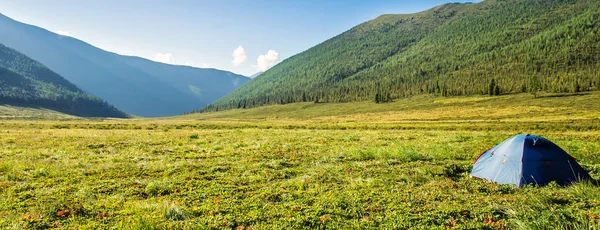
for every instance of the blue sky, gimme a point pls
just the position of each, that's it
(241, 36)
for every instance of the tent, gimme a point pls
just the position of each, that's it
(528, 159)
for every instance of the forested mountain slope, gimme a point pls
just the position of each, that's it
(492, 47)
(25, 82)
(134, 85)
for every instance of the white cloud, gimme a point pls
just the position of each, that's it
(63, 33)
(164, 58)
(239, 56)
(267, 60)
(205, 65)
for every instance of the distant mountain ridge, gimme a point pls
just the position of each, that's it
(256, 74)
(190, 80)
(134, 85)
(491, 47)
(26, 82)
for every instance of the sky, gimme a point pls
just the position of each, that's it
(241, 36)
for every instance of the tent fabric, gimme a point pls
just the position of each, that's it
(528, 159)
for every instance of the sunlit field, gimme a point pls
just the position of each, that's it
(360, 165)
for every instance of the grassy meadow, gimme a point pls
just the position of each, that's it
(356, 165)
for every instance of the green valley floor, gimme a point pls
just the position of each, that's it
(358, 165)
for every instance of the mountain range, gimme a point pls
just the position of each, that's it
(134, 85)
(492, 47)
(27, 83)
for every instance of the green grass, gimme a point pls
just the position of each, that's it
(8, 112)
(429, 108)
(356, 166)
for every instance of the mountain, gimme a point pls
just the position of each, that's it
(491, 47)
(134, 85)
(256, 74)
(26, 82)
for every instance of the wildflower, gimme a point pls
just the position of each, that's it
(63, 214)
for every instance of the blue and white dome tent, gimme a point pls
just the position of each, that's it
(528, 159)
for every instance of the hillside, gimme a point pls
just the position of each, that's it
(9, 112)
(492, 47)
(27, 83)
(134, 85)
(514, 111)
